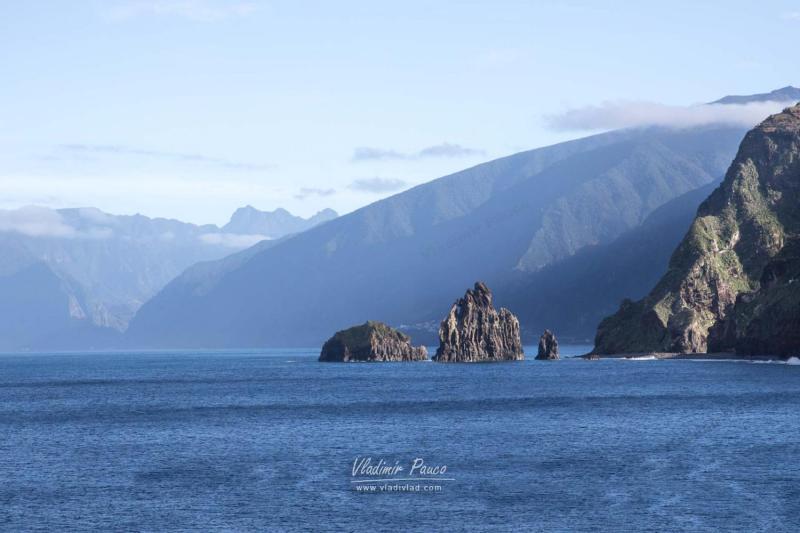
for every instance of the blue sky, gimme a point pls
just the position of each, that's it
(191, 108)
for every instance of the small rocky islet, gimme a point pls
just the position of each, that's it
(371, 342)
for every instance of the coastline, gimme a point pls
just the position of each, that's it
(657, 356)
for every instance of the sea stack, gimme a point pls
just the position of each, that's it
(371, 342)
(474, 332)
(548, 347)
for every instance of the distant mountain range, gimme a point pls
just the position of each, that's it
(785, 94)
(273, 224)
(75, 277)
(564, 233)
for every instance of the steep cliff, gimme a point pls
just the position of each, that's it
(731, 282)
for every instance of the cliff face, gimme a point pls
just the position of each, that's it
(372, 341)
(766, 321)
(474, 331)
(731, 283)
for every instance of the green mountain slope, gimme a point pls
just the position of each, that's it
(731, 281)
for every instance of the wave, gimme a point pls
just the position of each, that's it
(791, 361)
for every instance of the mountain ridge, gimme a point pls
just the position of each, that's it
(97, 268)
(418, 247)
(784, 94)
(273, 224)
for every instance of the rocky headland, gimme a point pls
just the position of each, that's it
(371, 342)
(474, 331)
(733, 283)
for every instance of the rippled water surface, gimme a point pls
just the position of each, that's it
(266, 441)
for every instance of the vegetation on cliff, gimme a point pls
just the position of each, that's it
(731, 282)
(371, 341)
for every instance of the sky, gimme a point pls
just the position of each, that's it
(189, 109)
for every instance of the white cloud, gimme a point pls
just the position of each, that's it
(792, 15)
(111, 150)
(232, 240)
(152, 194)
(616, 115)
(199, 10)
(448, 150)
(444, 150)
(366, 153)
(35, 222)
(305, 192)
(377, 185)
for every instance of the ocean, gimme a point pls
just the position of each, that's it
(271, 440)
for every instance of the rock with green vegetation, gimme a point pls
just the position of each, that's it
(473, 331)
(766, 321)
(732, 283)
(371, 341)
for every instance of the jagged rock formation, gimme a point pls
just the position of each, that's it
(548, 347)
(734, 281)
(371, 341)
(474, 331)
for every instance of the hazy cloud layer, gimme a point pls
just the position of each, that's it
(198, 10)
(34, 221)
(305, 192)
(232, 240)
(118, 150)
(365, 153)
(91, 223)
(377, 185)
(616, 115)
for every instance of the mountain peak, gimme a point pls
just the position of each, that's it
(274, 224)
(324, 215)
(788, 120)
(784, 94)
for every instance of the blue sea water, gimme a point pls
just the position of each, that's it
(266, 440)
